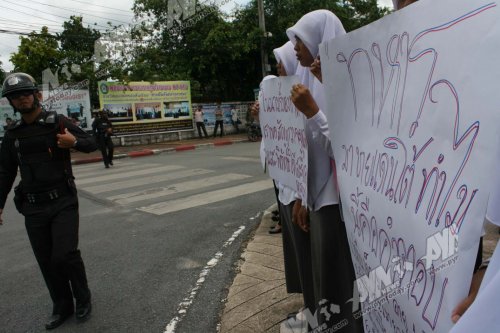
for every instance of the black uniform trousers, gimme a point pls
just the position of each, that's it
(201, 126)
(219, 123)
(106, 147)
(53, 232)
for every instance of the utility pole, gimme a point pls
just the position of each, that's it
(262, 26)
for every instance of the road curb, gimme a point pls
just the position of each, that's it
(149, 152)
(140, 153)
(185, 147)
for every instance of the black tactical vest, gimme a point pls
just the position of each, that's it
(102, 126)
(42, 164)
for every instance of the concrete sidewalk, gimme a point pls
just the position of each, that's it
(159, 148)
(257, 300)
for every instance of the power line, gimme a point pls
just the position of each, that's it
(2, 31)
(91, 4)
(30, 14)
(28, 24)
(76, 11)
(129, 13)
(40, 11)
(24, 29)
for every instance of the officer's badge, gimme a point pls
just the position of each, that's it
(13, 81)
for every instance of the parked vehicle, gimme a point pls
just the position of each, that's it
(254, 132)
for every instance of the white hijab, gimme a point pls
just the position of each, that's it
(286, 55)
(315, 28)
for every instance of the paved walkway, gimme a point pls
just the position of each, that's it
(257, 300)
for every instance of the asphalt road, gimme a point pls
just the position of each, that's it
(159, 235)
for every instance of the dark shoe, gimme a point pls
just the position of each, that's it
(56, 320)
(106, 166)
(275, 218)
(276, 230)
(83, 311)
(110, 162)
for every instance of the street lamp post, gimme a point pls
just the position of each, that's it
(262, 26)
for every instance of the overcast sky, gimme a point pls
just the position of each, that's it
(28, 15)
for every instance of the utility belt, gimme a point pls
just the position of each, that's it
(42, 197)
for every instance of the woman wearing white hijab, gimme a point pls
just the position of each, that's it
(285, 57)
(296, 243)
(332, 267)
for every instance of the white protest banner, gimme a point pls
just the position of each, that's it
(7, 115)
(283, 134)
(413, 113)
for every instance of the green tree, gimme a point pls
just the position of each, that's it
(37, 52)
(77, 41)
(76, 46)
(204, 48)
(221, 57)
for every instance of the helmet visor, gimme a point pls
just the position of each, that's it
(19, 94)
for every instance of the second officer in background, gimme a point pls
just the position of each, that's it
(103, 129)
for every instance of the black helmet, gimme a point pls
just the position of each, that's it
(18, 82)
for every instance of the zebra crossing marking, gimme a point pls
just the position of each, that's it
(207, 198)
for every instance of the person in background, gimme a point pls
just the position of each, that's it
(234, 119)
(8, 122)
(103, 129)
(200, 122)
(219, 121)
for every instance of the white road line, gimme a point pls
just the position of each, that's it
(207, 198)
(141, 172)
(153, 193)
(91, 170)
(242, 159)
(107, 187)
(186, 302)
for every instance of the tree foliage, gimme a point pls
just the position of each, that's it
(221, 57)
(76, 46)
(37, 52)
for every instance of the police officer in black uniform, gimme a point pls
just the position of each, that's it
(103, 129)
(39, 145)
